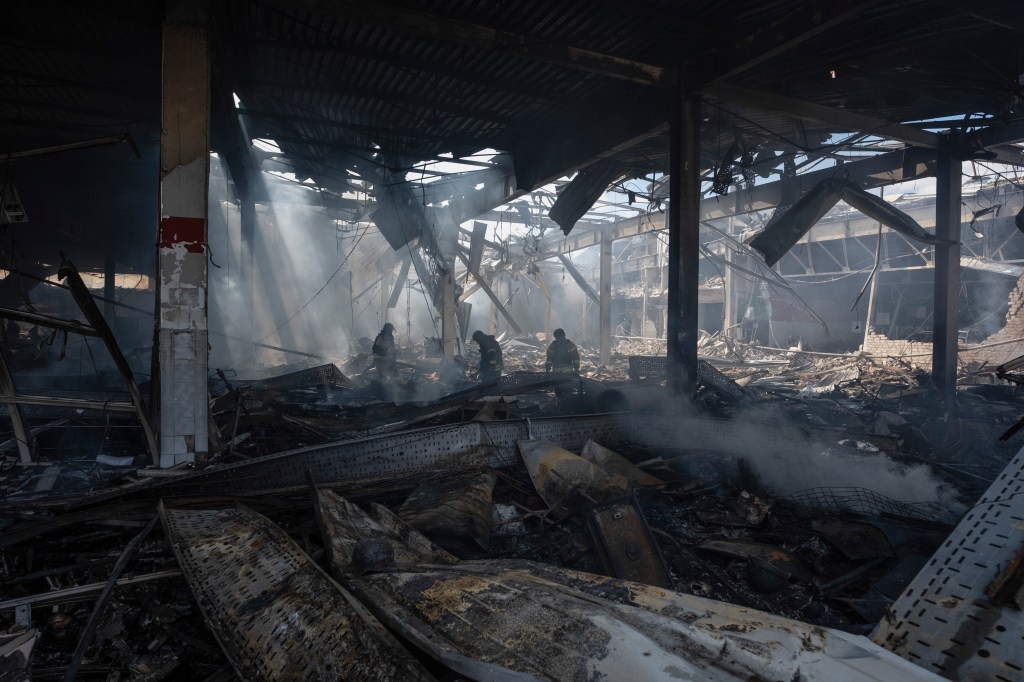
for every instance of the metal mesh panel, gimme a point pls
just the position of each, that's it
(314, 376)
(396, 454)
(391, 454)
(718, 382)
(856, 500)
(656, 367)
(521, 379)
(944, 621)
(274, 612)
(647, 366)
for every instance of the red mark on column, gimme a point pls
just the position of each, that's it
(189, 232)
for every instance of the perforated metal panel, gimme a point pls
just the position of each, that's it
(656, 367)
(521, 380)
(647, 366)
(486, 443)
(943, 621)
(314, 376)
(710, 377)
(274, 612)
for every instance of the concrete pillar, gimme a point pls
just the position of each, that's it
(605, 296)
(947, 274)
(449, 308)
(182, 351)
(683, 240)
(869, 323)
(729, 311)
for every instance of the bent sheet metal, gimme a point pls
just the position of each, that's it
(525, 620)
(276, 614)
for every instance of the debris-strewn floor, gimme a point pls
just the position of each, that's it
(717, 539)
(696, 521)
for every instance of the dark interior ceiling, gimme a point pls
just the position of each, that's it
(347, 85)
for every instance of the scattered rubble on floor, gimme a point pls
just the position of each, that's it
(437, 500)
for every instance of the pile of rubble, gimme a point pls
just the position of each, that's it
(400, 575)
(346, 521)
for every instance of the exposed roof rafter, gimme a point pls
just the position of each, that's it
(848, 121)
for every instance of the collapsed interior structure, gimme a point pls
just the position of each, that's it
(785, 237)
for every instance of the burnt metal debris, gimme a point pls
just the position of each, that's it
(442, 518)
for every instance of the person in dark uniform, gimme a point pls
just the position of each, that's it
(490, 356)
(563, 356)
(384, 353)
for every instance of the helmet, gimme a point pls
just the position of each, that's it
(388, 328)
(559, 333)
(478, 336)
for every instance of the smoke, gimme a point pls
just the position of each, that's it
(280, 288)
(786, 459)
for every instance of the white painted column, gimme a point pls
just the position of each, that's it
(182, 349)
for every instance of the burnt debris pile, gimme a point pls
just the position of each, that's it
(429, 525)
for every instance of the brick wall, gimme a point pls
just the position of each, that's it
(882, 346)
(986, 351)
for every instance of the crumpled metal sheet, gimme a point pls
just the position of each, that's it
(564, 480)
(547, 622)
(854, 539)
(452, 508)
(15, 654)
(276, 614)
(344, 525)
(776, 556)
(614, 463)
(520, 620)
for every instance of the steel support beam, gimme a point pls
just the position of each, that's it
(1005, 13)
(476, 247)
(683, 243)
(95, 318)
(883, 169)
(437, 27)
(947, 275)
(605, 314)
(498, 305)
(403, 275)
(182, 277)
(73, 403)
(449, 312)
(7, 382)
(579, 278)
(847, 120)
(72, 326)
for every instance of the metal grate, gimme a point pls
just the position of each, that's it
(523, 379)
(656, 367)
(944, 621)
(456, 446)
(647, 367)
(314, 376)
(857, 500)
(274, 612)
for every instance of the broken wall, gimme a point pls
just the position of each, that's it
(998, 348)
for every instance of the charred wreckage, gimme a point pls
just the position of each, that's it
(530, 341)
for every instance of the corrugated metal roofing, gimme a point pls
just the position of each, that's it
(331, 86)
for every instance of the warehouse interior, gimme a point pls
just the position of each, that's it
(786, 239)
